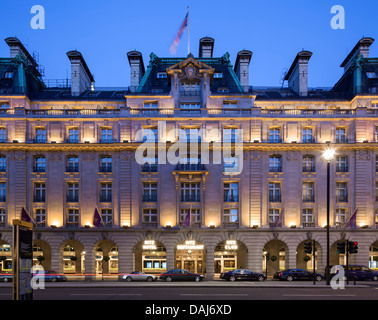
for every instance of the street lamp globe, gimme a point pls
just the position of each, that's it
(328, 154)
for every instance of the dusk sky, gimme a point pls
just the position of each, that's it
(275, 31)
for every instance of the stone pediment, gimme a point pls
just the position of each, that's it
(190, 68)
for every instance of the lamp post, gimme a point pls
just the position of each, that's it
(328, 156)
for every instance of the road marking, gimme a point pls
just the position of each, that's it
(105, 294)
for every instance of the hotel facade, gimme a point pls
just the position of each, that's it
(69, 148)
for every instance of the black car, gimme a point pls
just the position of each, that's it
(242, 274)
(297, 274)
(356, 272)
(181, 275)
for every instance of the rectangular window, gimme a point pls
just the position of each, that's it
(231, 135)
(150, 192)
(39, 164)
(274, 192)
(3, 192)
(150, 134)
(341, 164)
(150, 216)
(195, 216)
(190, 89)
(231, 192)
(340, 216)
(40, 217)
(190, 108)
(307, 217)
(106, 135)
(341, 136)
(275, 164)
(106, 164)
(218, 75)
(3, 134)
(72, 164)
(190, 135)
(190, 192)
(3, 163)
(107, 217)
(308, 164)
(150, 164)
(106, 192)
(341, 192)
(73, 218)
(308, 194)
(150, 107)
(230, 215)
(73, 135)
(161, 75)
(39, 192)
(230, 164)
(274, 135)
(274, 215)
(308, 135)
(40, 135)
(72, 192)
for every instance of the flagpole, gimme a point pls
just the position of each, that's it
(188, 33)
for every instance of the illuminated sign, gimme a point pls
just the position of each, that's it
(190, 245)
(149, 245)
(231, 245)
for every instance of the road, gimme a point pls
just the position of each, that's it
(202, 291)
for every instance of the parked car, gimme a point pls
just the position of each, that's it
(181, 275)
(6, 277)
(50, 275)
(297, 274)
(139, 276)
(357, 272)
(242, 274)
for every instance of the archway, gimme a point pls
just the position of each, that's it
(42, 254)
(306, 260)
(150, 256)
(274, 257)
(73, 257)
(106, 255)
(191, 255)
(5, 256)
(229, 255)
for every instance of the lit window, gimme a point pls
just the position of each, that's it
(230, 215)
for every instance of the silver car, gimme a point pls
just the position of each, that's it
(139, 276)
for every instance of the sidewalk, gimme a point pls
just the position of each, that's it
(204, 283)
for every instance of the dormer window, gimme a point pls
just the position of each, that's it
(218, 75)
(8, 75)
(190, 89)
(161, 75)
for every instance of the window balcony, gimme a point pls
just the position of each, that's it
(342, 168)
(308, 224)
(341, 198)
(105, 168)
(275, 169)
(274, 140)
(231, 198)
(190, 198)
(73, 198)
(149, 224)
(105, 198)
(3, 198)
(274, 198)
(39, 169)
(308, 169)
(190, 167)
(149, 198)
(72, 168)
(341, 140)
(308, 198)
(72, 224)
(149, 167)
(39, 198)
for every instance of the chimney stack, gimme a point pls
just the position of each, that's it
(81, 77)
(17, 48)
(206, 47)
(136, 69)
(362, 47)
(297, 75)
(242, 68)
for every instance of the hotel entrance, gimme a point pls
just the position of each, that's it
(190, 256)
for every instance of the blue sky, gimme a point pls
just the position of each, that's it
(274, 30)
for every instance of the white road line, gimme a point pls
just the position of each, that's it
(213, 294)
(105, 294)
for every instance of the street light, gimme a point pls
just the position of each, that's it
(328, 156)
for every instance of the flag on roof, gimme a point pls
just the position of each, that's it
(176, 41)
